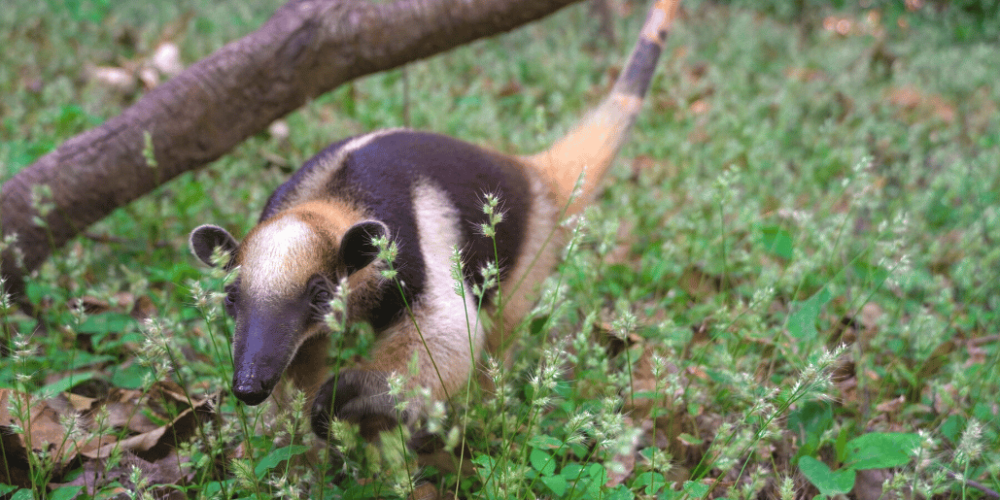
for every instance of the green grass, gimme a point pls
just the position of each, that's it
(788, 193)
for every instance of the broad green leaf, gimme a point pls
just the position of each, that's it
(651, 481)
(827, 481)
(65, 493)
(81, 359)
(64, 384)
(620, 492)
(542, 462)
(985, 411)
(596, 477)
(572, 471)
(107, 323)
(129, 377)
(363, 491)
(555, 483)
(690, 440)
(486, 465)
(952, 428)
(777, 241)
(213, 488)
(23, 494)
(695, 489)
(880, 450)
(276, 457)
(545, 441)
(810, 421)
(802, 323)
(840, 444)
(869, 273)
(333, 492)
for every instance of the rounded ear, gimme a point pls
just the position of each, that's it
(357, 247)
(205, 239)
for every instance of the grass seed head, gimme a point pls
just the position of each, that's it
(970, 445)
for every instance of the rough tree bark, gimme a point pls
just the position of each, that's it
(307, 48)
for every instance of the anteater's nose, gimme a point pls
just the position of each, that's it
(249, 392)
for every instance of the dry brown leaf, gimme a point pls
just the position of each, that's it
(164, 473)
(78, 402)
(905, 97)
(696, 372)
(512, 87)
(42, 431)
(613, 342)
(700, 107)
(139, 443)
(424, 491)
(46, 433)
(93, 475)
(698, 284)
(804, 74)
(624, 238)
(698, 135)
(116, 79)
(891, 406)
(157, 442)
(868, 484)
(848, 391)
(844, 369)
(125, 410)
(977, 355)
(143, 308)
(641, 163)
(5, 418)
(870, 315)
(122, 408)
(869, 25)
(627, 460)
(843, 26)
(859, 329)
(91, 305)
(980, 115)
(644, 385)
(911, 99)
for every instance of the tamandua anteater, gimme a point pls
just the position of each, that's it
(424, 192)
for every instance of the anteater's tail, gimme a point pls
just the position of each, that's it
(594, 142)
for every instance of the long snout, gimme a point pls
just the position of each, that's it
(262, 348)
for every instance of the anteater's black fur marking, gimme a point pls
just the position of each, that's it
(380, 178)
(638, 75)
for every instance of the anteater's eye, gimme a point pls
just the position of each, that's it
(319, 289)
(323, 296)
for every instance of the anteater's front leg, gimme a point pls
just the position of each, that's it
(444, 347)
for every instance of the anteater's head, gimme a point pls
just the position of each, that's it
(288, 267)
